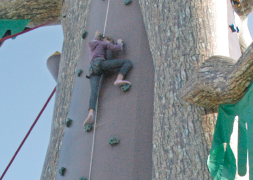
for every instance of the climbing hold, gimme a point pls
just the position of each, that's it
(64, 16)
(79, 72)
(237, 29)
(62, 171)
(127, 2)
(113, 141)
(125, 87)
(232, 27)
(84, 34)
(82, 178)
(68, 122)
(87, 127)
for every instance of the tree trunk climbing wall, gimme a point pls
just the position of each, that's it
(125, 115)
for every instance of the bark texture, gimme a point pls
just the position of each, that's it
(39, 12)
(220, 80)
(74, 14)
(181, 35)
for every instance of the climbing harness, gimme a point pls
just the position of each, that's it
(95, 68)
(28, 134)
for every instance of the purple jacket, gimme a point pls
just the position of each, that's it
(98, 48)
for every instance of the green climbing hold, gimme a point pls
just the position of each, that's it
(125, 87)
(84, 34)
(127, 2)
(68, 122)
(113, 141)
(232, 27)
(79, 72)
(82, 178)
(87, 127)
(62, 171)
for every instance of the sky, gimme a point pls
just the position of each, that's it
(26, 84)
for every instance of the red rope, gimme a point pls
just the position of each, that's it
(25, 31)
(28, 133)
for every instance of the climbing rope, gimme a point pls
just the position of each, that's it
(95, 123)
(106, 17)
(28, 134)
(25, 31)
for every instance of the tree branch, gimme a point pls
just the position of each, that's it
(219, 80)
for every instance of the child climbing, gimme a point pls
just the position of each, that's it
(100, 65)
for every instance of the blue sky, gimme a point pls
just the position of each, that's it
(25, 86)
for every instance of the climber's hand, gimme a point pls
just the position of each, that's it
(97, 34)
(119, 41)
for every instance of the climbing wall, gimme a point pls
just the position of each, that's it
(124, 115)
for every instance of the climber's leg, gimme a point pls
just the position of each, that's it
(123, 64)
(94, 84)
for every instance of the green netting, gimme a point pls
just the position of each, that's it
(15, 25)
(221, 161)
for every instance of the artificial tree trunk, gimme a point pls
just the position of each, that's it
(181, 36)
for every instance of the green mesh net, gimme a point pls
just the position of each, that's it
(15, 25)
(221, 161)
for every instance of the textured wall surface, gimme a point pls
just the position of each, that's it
(181, 36)
(39, 12)
(75, 13)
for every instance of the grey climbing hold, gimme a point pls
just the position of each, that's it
(127, 2)
(232, 27)
(84, 34)
(113, 141)
(87, 127)
(68, 122)
(62, 171)
(79, 72)
(125, 87)
(82, 178)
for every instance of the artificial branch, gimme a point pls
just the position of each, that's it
(220, 80)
